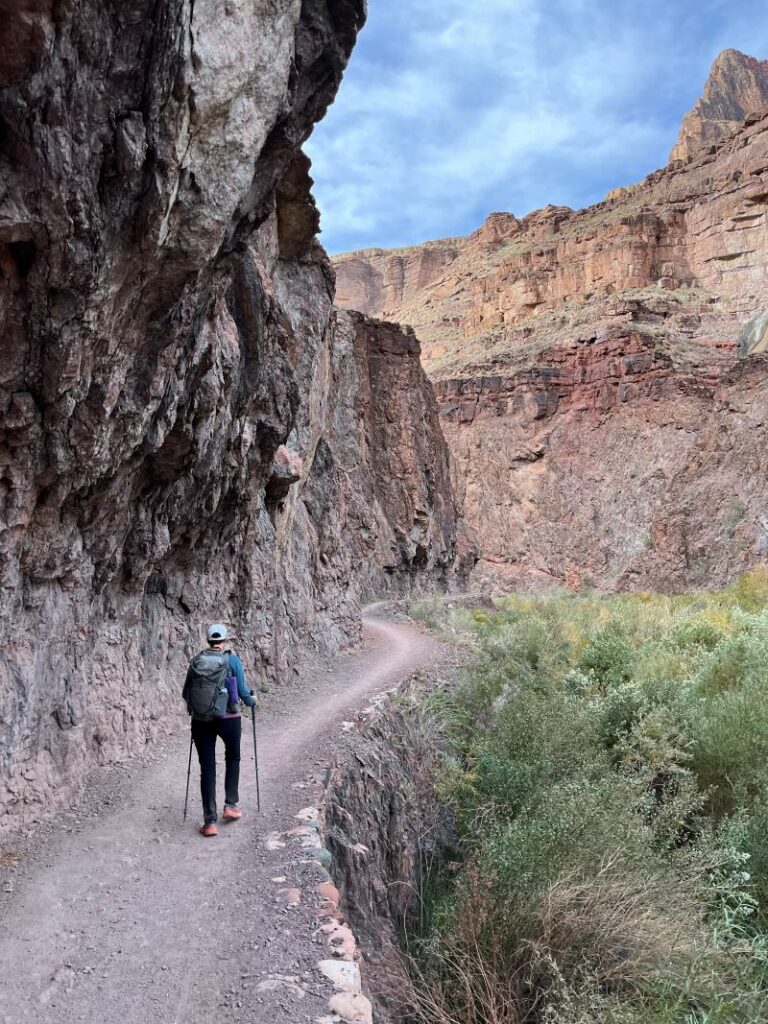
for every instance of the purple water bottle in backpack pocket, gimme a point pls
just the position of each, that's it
(233, 702)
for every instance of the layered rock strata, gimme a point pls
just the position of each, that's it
(189, 431)
(599, 372)
(690, 242)
(604, 465)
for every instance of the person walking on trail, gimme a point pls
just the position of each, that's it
(213, 689)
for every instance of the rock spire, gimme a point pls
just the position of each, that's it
(737, 87)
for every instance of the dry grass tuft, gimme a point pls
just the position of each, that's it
(619, 932)
(619, 929)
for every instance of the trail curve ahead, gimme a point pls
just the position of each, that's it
(123, 915)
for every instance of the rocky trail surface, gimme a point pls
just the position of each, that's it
(122, 913)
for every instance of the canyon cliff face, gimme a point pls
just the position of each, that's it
(189, 430)
(603, 465)
(599, 372)
(690, 243)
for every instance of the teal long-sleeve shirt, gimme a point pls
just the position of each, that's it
(236, 667)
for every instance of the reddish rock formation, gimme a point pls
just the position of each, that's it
(737, 87)
(602, 464)
(373, 511)
(400, 458)
(188, 431)
(690, 243)
(601, 426)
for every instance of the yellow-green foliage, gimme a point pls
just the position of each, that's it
(750, 591)
(610, 748)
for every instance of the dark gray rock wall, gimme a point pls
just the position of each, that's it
(173, 441)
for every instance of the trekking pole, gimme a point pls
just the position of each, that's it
(189, 772)
(256, 758)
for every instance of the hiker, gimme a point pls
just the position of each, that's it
(213, 689)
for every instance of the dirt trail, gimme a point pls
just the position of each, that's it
(132, 917)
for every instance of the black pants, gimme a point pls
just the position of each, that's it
(204, 735)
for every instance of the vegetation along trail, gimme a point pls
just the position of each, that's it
(124, 914)
(604, 760)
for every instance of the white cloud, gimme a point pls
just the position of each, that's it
(453, 109)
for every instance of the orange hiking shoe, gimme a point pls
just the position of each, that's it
(232, 814)
(209, 830)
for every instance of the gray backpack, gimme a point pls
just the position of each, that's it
(205, 689)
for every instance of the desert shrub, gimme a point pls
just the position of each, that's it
(658, 663)
(618, 927)
(606, 766)
(567, 829)
(695, 632)
(428, 611)
(622, 931)
(750, 591)
(730, 740)
(753, 841)
(618, 713)
(658, 744)
(609, 655)
(738, 659)
(533, 744)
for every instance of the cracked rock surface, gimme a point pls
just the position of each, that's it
(186, 425)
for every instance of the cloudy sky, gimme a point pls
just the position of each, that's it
(451, 109)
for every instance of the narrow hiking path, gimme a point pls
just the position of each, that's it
(131, 917)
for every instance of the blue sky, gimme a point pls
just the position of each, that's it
(451, 109)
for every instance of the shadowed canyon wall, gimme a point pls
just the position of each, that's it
(600, 374)
(189, 430)
(387, 831)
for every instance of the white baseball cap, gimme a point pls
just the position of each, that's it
(218, 631)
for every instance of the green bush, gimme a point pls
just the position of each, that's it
(609, 655)
(695, 632)
(730, 740)
(608, 772)
(754, 842)
(619, 713)
(737, 660)
(750, 591)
